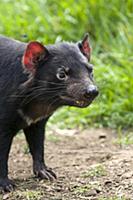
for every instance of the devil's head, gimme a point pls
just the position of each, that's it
(62, 72)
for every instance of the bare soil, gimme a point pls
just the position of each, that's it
(90, 165)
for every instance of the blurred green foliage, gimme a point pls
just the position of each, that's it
(110, 25)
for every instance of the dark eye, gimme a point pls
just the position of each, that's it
(61, 75)
(90, 70)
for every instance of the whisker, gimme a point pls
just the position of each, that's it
(38, 89)
(34, 96)
(48, 88)
(51, 82)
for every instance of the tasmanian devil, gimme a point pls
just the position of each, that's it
(35, 80)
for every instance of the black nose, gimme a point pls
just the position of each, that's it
(91, 92)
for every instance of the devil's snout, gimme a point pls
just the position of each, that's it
(91, 91)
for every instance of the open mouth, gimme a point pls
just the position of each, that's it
(74, 102)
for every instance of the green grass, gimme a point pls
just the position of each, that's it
(109, 23)
(124, 139)
(30, 195)
(53, 138)
(82, 189)
(113, 198)
(96, 171)
(27, 195)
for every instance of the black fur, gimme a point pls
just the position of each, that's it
(27, 101)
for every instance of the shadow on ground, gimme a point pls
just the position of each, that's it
(89, 165)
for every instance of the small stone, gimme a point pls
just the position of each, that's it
(108, 183)
(108, 156)
(5, 196)
(102, 136)
(98, 190)
(127, 175)
(92, 192)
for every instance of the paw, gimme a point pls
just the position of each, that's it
(43, 172)
(6, 185)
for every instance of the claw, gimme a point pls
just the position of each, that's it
(43, 172)
(43, 175)
(52, 173)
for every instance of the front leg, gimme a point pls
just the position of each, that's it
(35, 135)
(5, 143)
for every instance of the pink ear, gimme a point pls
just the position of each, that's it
(85, 47)
(34, 53)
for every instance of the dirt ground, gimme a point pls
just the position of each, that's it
(90, 165)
